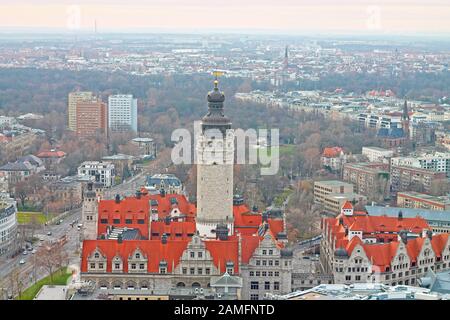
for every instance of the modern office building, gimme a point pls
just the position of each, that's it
(122, 113)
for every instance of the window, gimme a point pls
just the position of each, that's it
(200, 255)
(92, 265)
(116, 221)
(254, 297)
(207, 271)
(117, 265)
(199, 271)
(348, 278)
(277, 274)
(184, 270)
(133, 266)
(142, 266)
(141, 221)
(276, 285)
(103, 221)
(128, 221)
(264, 273)
(192, 270)
(192, 254)
(258, 262)
(252, 274)
(138, 255)
(96, 255)
(270, 251)
(267, 285)
(264, 252)
(254, 285)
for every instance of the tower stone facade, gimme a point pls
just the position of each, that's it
(215, 158)
(89, 213)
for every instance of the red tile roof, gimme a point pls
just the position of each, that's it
(51, 154)
(332, 152)
(154, 250)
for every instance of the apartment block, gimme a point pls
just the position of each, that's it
(368, 177)
(92, 119)
(375, 154)
(406, 178)
(122, 113)
(73, 99)
(412, 199)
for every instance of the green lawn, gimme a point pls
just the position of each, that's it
(25, 217)
(60, 277)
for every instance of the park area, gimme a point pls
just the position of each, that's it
(28, 217)
(60, 277)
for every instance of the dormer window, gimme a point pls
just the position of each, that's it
(138, 255)
(96, 255)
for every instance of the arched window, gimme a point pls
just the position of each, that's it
(181, 285)
(196, 285)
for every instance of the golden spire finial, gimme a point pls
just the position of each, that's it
(217, 74)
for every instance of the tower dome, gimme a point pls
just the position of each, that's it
(216, 95)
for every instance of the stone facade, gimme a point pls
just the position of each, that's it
(89, 213)
(214, 183)
(268, 271)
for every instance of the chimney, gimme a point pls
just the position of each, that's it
(167, 220)
(138, 194)
(119, 238)
(341, 221)
(117, 198)
(400, 215)
(346, 231)
(164, 238)
(162, 192)
(430, 234)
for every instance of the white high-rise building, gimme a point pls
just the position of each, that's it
(122, 113)
(215, 157)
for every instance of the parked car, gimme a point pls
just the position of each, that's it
(24, 252)
(34, 251)
(22, 261)
(49, 233)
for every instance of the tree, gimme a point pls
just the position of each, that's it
(51, 257)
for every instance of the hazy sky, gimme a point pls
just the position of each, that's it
(339, 16)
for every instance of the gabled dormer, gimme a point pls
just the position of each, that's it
(117, 264)
(137, 262)
(97, 261)
(347, 209)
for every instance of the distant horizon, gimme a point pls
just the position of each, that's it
(404, 17)
(227, 31)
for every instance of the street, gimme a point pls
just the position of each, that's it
(28, 273)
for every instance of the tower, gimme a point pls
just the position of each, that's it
(89, 213)
(215, 157)
(405, 119)
(286, 59)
